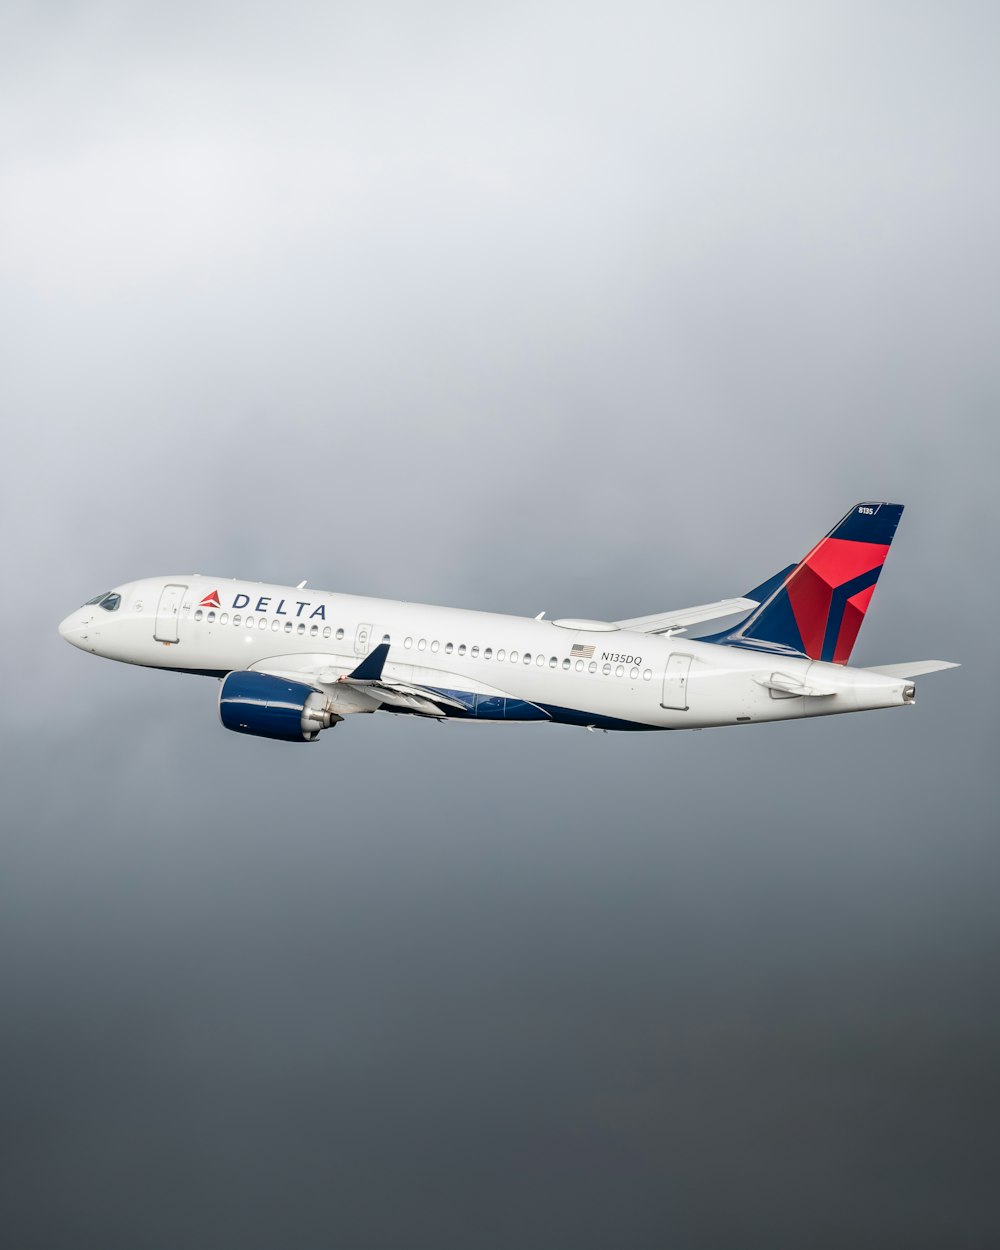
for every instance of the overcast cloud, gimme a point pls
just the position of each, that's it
(597, 310)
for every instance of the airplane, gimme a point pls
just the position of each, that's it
(293, 662)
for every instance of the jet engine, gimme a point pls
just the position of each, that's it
(271, 707)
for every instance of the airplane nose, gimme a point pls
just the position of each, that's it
(74, 629)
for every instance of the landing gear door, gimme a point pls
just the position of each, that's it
(675, 683)
(167, 613)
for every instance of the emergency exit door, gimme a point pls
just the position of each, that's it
(362, 639)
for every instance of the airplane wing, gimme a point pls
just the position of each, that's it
(364, 689)
(681, 618)
(403, 695)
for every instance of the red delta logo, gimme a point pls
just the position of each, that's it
(211, 601)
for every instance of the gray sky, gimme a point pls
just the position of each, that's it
(597, 310)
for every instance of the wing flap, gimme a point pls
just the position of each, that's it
(368, 680)
(402, 694)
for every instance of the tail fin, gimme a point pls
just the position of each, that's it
(816, 608)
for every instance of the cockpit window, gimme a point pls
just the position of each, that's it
(97, 599)
(111, 603)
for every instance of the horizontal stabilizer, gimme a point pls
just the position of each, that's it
(681, 618)
(916, 668)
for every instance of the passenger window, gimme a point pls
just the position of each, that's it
(262, 623)
(422, 644)
(488, 653)
(513, 657)
(327, 631)
(619, 671)
(313, 630)
(553, 661)
(300, 628)
(540, 661)
(579, 666)
(527, 657)
(449, 647)
(249, 622)
(385, 638)
(210, 617)
(592, 666)
(288, 627)
(607, 670)
(474, 653)
(198, 615)
(407, 642)
(237, 619)
(461, 648)
(647, 674)
(224, 619)
(565, 663)
(275, 626)
(435, 645)
(340, 634)
(501, 654)
(634, 674)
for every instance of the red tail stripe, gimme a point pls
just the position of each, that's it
(810, 597)
(838, 560)
(854, 614)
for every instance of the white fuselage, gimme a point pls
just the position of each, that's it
(584, 673)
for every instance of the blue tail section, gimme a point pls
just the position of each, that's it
(766, 589)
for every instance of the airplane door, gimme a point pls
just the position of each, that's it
(362, 639)
(167, 612)
(675, 683)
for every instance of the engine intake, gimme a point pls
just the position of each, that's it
(271, 707)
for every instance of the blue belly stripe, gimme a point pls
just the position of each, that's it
(491, 706)
(499, 707)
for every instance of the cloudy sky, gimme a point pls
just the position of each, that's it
(590, 309)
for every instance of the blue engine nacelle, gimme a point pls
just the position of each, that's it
(272, 707)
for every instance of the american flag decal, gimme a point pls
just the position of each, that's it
(579, 652)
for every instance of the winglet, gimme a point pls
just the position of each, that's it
(370, 668)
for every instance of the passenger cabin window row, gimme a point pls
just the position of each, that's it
(422, 644)
(515, 657)
(262, 623)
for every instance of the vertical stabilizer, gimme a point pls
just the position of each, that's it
(817, 607)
